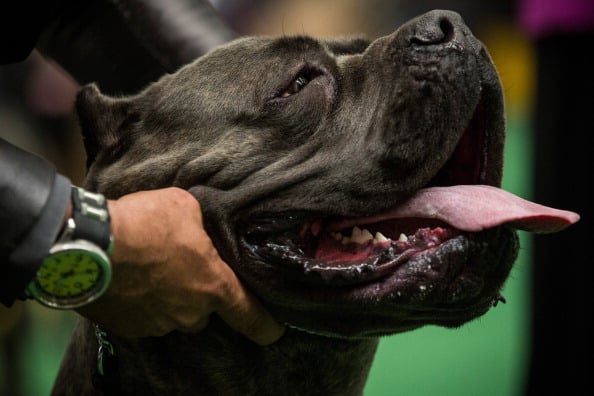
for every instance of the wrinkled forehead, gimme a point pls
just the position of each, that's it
(252, 55)
(249, 68)
(257, 58)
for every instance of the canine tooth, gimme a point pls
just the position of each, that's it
(379, 237)
(402, 238)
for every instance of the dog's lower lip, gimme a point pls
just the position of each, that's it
(356, 272)
(332, 262)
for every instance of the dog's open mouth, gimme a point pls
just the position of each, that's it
(323, 251)
(358, 250)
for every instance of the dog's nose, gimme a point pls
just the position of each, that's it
(435, 28)
(440, 27)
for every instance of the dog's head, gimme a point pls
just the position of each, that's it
(350, 184)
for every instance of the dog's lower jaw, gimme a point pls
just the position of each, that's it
(218, 361)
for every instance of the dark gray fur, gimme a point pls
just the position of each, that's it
(377, 121)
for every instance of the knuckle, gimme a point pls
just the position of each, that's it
(186, 198)
(194, 324)
(186, 318)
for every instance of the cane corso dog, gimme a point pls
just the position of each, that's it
(352, 185)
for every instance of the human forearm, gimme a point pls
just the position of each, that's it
(123, 45)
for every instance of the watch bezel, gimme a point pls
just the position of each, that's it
(90, 249)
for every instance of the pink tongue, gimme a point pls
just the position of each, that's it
(477, 207)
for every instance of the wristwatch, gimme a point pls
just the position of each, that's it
(77, 269)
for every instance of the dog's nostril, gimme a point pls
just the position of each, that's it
(448, 29)
(440, 31)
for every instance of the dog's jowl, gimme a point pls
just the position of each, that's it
(352, 185)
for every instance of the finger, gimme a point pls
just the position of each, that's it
(246, 315)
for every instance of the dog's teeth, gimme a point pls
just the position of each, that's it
(345, 240)
(366, 235)
(402, 238)
(379, 237)
(336, 235)
(361, 236)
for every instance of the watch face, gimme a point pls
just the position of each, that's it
(69, 273)
(72, 275)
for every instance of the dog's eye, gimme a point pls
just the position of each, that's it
(296, 85)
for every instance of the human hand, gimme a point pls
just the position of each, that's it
(167, 275)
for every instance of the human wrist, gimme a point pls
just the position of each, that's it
(117, 226)
(127, 236)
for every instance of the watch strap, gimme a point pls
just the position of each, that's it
(91, 218)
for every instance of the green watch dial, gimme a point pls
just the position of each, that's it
(73, 274)
(68, 273)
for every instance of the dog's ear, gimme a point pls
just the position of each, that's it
(104, 121)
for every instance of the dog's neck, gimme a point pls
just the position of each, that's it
(218, 361)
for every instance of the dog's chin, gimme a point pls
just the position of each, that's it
(379, 279)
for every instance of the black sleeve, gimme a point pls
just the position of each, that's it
(122, 45)
(33, 200)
